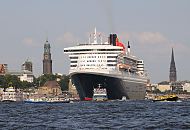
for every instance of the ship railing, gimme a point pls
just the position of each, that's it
(127, 74)
(113, 72)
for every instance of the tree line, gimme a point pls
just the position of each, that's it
(13, 80)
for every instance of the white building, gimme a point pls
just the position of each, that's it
(27, 76)
(24, 75)
(186, 87)
(164, 87)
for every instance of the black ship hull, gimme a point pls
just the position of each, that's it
(116, 87)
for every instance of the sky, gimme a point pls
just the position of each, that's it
(152, 27)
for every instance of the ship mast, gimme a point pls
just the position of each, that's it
(128, 48)
(95, 36)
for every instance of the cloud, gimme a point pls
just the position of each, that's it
(180, 47)
(28, 41)
(151, 38)
(145, 37)
(155, 41)
(66, 38)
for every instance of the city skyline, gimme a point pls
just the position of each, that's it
(152, 27)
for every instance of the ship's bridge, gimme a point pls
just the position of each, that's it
(93, 57)
(93, 49)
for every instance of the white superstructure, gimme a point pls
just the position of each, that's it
(93, 57)
(140, 66)
(12, 95)
(100, 94)
(100, 57)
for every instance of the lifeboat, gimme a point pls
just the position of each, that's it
(124, 66)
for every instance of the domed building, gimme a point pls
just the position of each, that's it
(50, 88)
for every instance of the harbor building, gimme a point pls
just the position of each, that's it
(25, 74)
(50, 88)
(186, 87)
(27, 66)
(173, 73)
(72, 90)
(47, 62)
(164, 87)
(177, 87)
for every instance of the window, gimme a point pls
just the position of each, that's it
(111, 64)
(111, 56)
(73, 65)
(74, 61)
(73, 57)
(111, 60)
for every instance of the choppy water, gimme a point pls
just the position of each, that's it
(96, 115)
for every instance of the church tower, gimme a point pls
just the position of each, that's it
(47, 62)
(173, 74)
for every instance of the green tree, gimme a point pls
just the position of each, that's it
(2, 81)
(44, 78)
(26, 85)
(64, 82)
(12, 80)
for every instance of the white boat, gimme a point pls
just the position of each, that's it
(100, 94)
(47, 100)
(123, 98)
(109, 63)
(12, 95)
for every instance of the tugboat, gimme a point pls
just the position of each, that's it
(100, 94)
(168, 97)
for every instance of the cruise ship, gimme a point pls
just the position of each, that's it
(110, 64)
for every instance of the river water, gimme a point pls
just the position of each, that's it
(96, 115)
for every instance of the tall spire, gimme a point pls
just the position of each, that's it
(172, 57)
(173, 74)
(47, 62)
